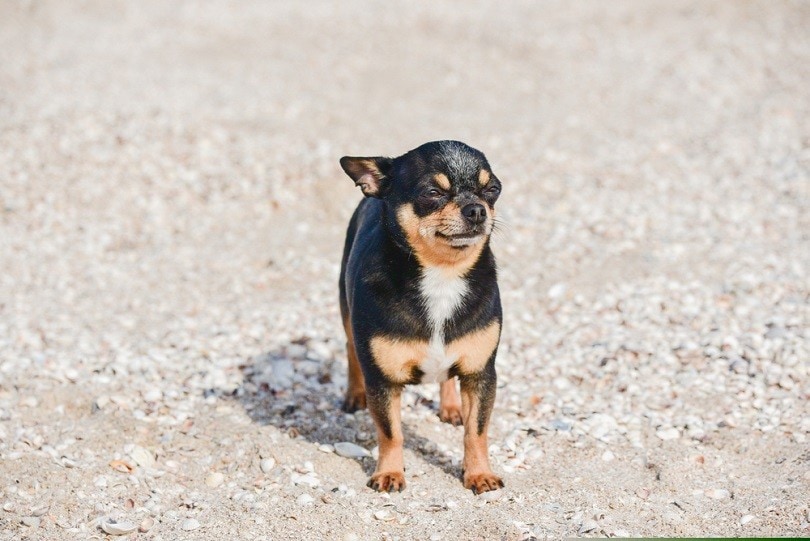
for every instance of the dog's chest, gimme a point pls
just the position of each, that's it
(442, 294)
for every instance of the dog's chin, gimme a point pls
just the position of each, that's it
(462, 240)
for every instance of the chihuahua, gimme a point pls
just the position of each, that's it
(419, 297)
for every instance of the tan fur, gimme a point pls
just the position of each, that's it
(390, 472)
(356, 391)
(478, 475)
(442, 181)
(474, 349)
(397, 358)
(430, 250)
(450, 405)
(483, 177)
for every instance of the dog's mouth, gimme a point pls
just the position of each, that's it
(460, 240)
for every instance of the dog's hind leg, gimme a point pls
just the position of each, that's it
(450, 405)
(356, 389)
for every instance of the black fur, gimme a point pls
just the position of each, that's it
(380, 273)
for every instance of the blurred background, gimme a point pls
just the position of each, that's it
(172, 215)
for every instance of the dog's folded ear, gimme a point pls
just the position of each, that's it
(371, 174)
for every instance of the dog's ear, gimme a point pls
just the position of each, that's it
(371, 174)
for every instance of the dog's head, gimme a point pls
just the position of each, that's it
(442, 195)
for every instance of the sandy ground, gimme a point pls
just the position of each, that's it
(171, 219)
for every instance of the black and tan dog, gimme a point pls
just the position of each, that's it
(419, 297)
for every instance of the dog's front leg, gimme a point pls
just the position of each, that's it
(384, 404)
(477, 399)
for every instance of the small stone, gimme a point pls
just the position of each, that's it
(608, 455)
(557, 290)
(308, 479)
(670, 433)
(717, 493)
(31, 522)
(8, 507)
(560, 425)
(215, 479)
(643, 493)
(588, 526)
(267, 464)
(491, 496)
(113, 527)
(142, 457)
(39, 511)
(304, 499)
(101, 401)
(146, 524)
(72, 375)
(153, 395)
(775, 332)
(350, 450)
(384, 515)
(29, 401)
(122, 465)
(745, 519)
(190, 524)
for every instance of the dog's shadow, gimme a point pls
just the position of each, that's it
(299, 388)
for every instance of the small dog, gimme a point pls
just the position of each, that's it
(419, 297)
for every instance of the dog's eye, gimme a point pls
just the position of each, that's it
(493, 190)
(433, 193)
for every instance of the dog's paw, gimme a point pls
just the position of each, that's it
(451, 414)
(387, 481)
(355, 400)
(482, 482)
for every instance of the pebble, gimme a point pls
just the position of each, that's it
(8, 507)
(190, 524)
(113, 527)
(304, 500)
(153, 395)
(146, 524)
(385, 515)
(267, 464)
(142, 457)
(670, 433)
(215, 479)
(608, 455)
(588, 526)
(717, 493)
(31, 522)
(308, 479)
(745, 519)
(350, 450)
(491, 496)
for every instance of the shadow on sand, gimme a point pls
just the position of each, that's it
(295, 390)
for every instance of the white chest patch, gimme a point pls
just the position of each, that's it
(442, 293)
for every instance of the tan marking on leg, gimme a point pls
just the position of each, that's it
(390, 472)
(398, 358)
(442, 181)
(356, 389)
(430, 250)
(473, 350)
(450, 405)
(483, 177)
(478, 475)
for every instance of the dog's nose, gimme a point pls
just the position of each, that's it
(475, 213)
